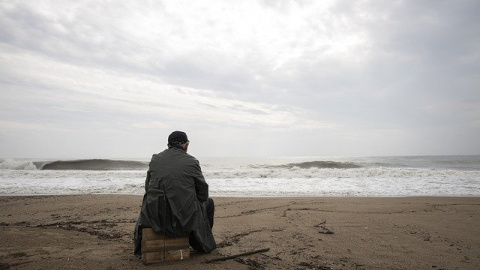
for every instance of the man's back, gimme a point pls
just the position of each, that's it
(176, 164)
(176, 175)
(175, 193)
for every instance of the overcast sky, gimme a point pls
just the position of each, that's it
(112, 79)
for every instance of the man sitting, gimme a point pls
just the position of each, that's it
(176, 201)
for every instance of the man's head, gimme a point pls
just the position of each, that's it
(178, 138)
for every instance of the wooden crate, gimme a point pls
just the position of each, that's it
(157, 248)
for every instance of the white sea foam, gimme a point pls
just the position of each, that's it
(352, 182)
(12, 164)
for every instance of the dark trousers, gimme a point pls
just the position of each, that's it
(210, 210)
(210, 207)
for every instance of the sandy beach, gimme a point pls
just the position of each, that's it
(95, 232)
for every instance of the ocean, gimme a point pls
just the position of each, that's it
(403, 176)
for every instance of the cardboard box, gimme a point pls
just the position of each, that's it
(157, 248)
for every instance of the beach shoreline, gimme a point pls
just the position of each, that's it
(96, 232)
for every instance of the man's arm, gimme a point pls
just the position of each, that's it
(147, 181)
(201, 186)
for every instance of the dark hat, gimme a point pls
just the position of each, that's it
(178, 137)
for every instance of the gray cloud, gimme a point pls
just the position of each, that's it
(398, 73)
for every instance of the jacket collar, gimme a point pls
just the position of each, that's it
(177, 146)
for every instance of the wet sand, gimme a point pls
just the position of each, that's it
(96, 232)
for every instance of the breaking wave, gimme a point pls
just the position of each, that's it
(95, 164)
(108, 165)
(322, 165)
(81, 164)
(11, 164)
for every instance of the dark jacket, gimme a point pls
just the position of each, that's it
(173, 204)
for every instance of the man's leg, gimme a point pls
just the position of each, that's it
(138, 239)
(194, 242)
(210, 211)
